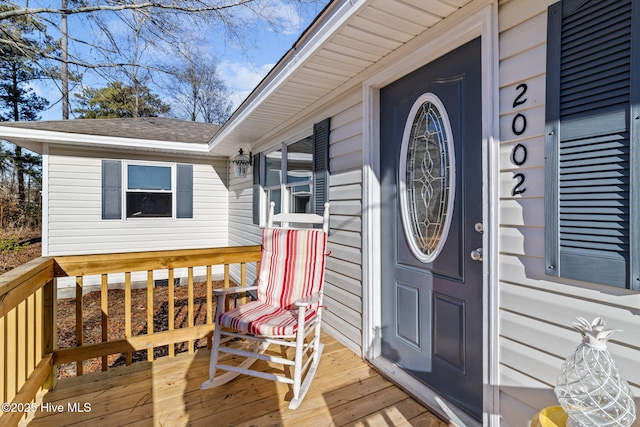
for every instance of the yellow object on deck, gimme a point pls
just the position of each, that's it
(551, 416)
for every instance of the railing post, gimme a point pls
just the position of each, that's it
(49, 326)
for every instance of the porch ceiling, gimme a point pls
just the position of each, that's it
(346, 39)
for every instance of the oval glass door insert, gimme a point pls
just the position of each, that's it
(427, 177)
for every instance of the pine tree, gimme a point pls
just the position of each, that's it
(18, 101)
(119, 100)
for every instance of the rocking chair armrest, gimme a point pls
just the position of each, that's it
(234, 290)
(308, 300)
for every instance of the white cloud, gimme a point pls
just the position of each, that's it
(242, 77)
(287, 17)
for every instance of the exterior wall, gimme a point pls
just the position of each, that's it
(75, 224)
(537, 311)
(343, 280)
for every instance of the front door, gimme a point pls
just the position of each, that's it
(431, 230)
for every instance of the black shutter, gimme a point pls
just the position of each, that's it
(111, 189)
(256, 189)
(588, 143)
(321, 165)
(184, 191)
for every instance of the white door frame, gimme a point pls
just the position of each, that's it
(477, 19)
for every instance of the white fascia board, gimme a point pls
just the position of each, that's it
(311, 46)
(100, 140)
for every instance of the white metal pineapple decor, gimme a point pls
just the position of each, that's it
(589, 388)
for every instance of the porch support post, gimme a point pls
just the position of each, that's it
(49, 326)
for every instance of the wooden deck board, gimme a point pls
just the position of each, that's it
(346, 391)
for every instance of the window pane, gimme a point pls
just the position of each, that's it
(274, 196)
(149, 205)
(300, 160)
(273, 168)
(149, 177)
(300, 199)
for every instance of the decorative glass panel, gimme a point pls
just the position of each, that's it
(427, 178)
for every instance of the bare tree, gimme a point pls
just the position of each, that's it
(159, 22)
(199, 92)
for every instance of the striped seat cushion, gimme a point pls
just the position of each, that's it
(291, 265)
(263, 319)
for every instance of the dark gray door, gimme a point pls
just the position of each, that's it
(431, 172)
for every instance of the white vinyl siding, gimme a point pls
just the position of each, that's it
(74, 212)
(343, 279)
(536, 310)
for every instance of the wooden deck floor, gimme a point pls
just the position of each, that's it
(346, 391)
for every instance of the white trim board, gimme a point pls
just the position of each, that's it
(478, 19)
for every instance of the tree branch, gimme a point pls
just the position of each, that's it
(136, 6)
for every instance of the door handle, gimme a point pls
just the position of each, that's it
(476, 255)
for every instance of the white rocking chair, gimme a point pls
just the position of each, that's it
(288, 308)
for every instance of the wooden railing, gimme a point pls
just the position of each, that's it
(28, 315)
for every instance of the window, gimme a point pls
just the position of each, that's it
(293, 176)
(591, 188)
(150, 191)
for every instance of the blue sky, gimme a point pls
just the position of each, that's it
(241, 68)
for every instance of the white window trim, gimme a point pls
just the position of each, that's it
(284, 187)
(125, 189)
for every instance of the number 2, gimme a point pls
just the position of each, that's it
(519, 101)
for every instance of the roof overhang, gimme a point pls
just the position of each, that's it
(34, 139)
(330, 58)
(344, 44)
(157, 134)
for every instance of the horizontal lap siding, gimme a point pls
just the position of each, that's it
(344, 266)
(537, 311)
(75, 221)
(343, 280)
(242, 231)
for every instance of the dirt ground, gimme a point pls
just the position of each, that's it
(92, 321)
(12, 259)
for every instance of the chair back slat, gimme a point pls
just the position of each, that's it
(291, 265)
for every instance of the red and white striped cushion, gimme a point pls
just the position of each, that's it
(291, 266)
(263, 319)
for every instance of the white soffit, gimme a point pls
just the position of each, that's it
(348, 38)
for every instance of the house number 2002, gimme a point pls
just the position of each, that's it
(519, 152)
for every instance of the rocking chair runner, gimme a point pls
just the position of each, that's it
(288, 308)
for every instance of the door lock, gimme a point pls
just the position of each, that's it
(479, 227)
(476, 255)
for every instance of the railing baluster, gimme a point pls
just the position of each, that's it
(79, 321)
(227, 301)
(209, 295)
(127, 312)
(49, 325)
(150, 311)
(10, 333)
(243, 281)
(31, 333)
(190, 306)
(209, 319)
(21, 332)
(3, 361)
(39, 326)
(172, 310)
(104, 305)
